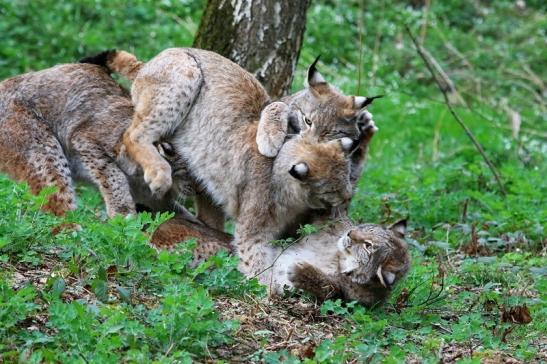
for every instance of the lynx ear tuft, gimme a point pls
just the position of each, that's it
(299, 171)
(314, 77)
(399, 227)
(360, 102)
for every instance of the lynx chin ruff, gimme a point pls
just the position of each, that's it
(211, 108)
(65, 123)
(361, 262)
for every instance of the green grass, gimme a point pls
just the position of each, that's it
(103, 295)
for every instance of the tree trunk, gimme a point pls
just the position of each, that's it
(262, 36)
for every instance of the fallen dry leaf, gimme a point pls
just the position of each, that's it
(516, 315)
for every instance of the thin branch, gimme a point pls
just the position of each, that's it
(361, 47)
(456, 117)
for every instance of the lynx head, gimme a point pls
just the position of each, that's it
(374, 256)
(333, 114)
(318, 172)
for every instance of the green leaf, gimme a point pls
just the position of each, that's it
(58, 287)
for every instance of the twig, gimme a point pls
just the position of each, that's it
(466, 129)
(360, 66)
(425, 17)
(433, 298)
(377, 42)
(276, 258)
(445, 83)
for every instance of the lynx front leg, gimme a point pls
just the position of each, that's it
(310, 279)
(368, 129)
(102, 170)
(108, 177)
(256, 254)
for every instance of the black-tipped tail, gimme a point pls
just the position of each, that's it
(100, 59)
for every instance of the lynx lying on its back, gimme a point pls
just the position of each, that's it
(65, 123)
(370, 257)
(323, 263)
(211, 107)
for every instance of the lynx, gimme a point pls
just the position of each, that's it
(209, 108)
(334, 114)
(352, 262)
(207, 103)
(66, 123)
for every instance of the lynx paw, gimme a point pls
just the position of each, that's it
(272, 128)
(301, 275)
(158, 178)
(366, 123)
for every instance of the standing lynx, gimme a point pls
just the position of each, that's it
(66, 123)
(209, 108)
(207, 97)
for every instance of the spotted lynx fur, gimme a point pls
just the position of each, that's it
(353, 262)
(209, 108)
(66, 123)
(178, 85)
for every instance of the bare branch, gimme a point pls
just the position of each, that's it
(422, 53)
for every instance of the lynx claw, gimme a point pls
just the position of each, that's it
(159, 179)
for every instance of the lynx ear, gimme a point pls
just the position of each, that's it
(299, 171)
(314, 77)
(360, 102)
(399, 228)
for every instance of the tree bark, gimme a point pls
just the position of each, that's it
(262, 36)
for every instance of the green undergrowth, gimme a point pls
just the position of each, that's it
(108, 296)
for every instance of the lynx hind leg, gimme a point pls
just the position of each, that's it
(306, 277)
(106, 175)
(272, 128)
(163, 94)
(29, 152)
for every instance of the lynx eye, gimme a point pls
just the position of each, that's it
(307, 120)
